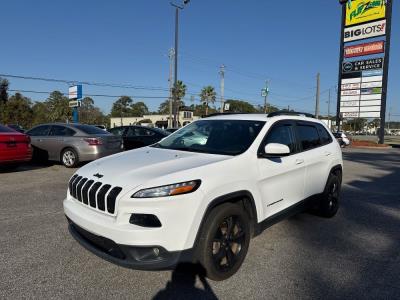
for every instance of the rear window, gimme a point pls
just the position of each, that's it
(308, 136)
(5, 129)
(89, 129)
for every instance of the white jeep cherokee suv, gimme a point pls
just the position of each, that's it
(201, 193)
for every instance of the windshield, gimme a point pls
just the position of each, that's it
(226, 137)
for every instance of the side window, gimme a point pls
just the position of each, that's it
(39, 131)
(138, 131)
(57, 130)
(324, 135)
(119, 131)
(308, 136)
(282, 134)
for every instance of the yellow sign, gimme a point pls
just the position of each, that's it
(360, 11)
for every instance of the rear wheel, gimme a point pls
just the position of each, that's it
(224, 241)
(329, 202)
(69, 158)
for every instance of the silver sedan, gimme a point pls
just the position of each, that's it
(72, 143)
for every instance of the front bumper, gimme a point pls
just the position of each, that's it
(141, 258)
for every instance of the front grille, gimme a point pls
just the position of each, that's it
(96, 194)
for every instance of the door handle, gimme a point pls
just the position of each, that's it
(299, 161)
(327, 153)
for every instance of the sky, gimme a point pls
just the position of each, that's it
(127, 43)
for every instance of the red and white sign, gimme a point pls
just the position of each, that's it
(364, 49)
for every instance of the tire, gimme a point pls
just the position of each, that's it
(221, 253)
(329, 202)
(69, 158)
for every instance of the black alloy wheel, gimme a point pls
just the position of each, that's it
(224, 241)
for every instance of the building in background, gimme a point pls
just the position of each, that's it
(161, 121)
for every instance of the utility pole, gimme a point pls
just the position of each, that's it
(317, 99)
(389, 119)
(329, 109)
(175, 106)
(171, 56)
(264, 93)
(222, 73)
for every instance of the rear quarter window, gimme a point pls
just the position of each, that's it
(89, 129)
(324, 135)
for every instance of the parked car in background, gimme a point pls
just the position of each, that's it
(101, 127)
(171, 130)
(15, 147)
(138, 136)
(72, 143)
(342, 139)
(16, 127)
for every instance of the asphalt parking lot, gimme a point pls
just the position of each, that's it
(354, 255)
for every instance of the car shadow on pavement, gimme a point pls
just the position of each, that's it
(183, 284)
(359, 249)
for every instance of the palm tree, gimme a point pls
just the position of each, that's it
(179, 93)
(208, 95)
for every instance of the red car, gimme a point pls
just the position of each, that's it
(15, 147)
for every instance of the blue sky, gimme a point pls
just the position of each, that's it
(286, 42)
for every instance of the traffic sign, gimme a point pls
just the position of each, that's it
(75, 103)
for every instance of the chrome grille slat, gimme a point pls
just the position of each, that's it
(92, 193)
(99, 196)
(79, 189)
(85, 191)
(111, 197)
(74, 184)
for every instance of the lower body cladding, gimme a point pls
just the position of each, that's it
(128, 239)
(141, 258)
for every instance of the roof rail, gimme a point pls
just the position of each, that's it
(224, 113)
(289, 113)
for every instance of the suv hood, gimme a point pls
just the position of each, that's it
(132, 168)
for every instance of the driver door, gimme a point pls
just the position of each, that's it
(281, 179)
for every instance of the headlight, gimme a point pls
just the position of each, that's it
(168, 190)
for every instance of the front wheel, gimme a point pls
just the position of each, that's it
(329, 202)
(224, 241)
(69, 158)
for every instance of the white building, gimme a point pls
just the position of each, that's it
(161, 121)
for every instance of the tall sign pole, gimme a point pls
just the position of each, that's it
(385, 70)
(364, 61)
(74, 94)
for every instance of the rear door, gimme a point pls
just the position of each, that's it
(282, 178)
(59, 138)
(317, 155)
(39, 137)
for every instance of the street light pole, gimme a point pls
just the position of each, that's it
(175, 94)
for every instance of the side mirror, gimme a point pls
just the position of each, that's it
(276, 150)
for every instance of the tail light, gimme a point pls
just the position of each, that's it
(93, 141)
(28, 141)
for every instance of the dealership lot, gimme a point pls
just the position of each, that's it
(356, 254)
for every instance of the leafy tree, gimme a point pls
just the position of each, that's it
(18, 110)
(90, 114)
(179, 93)
(241, 106)
(40, 113)
(208, 95)
(164, 106)
(58, 107)
(139, 109)
(200, 110)
(122, 107)
(4, 84)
